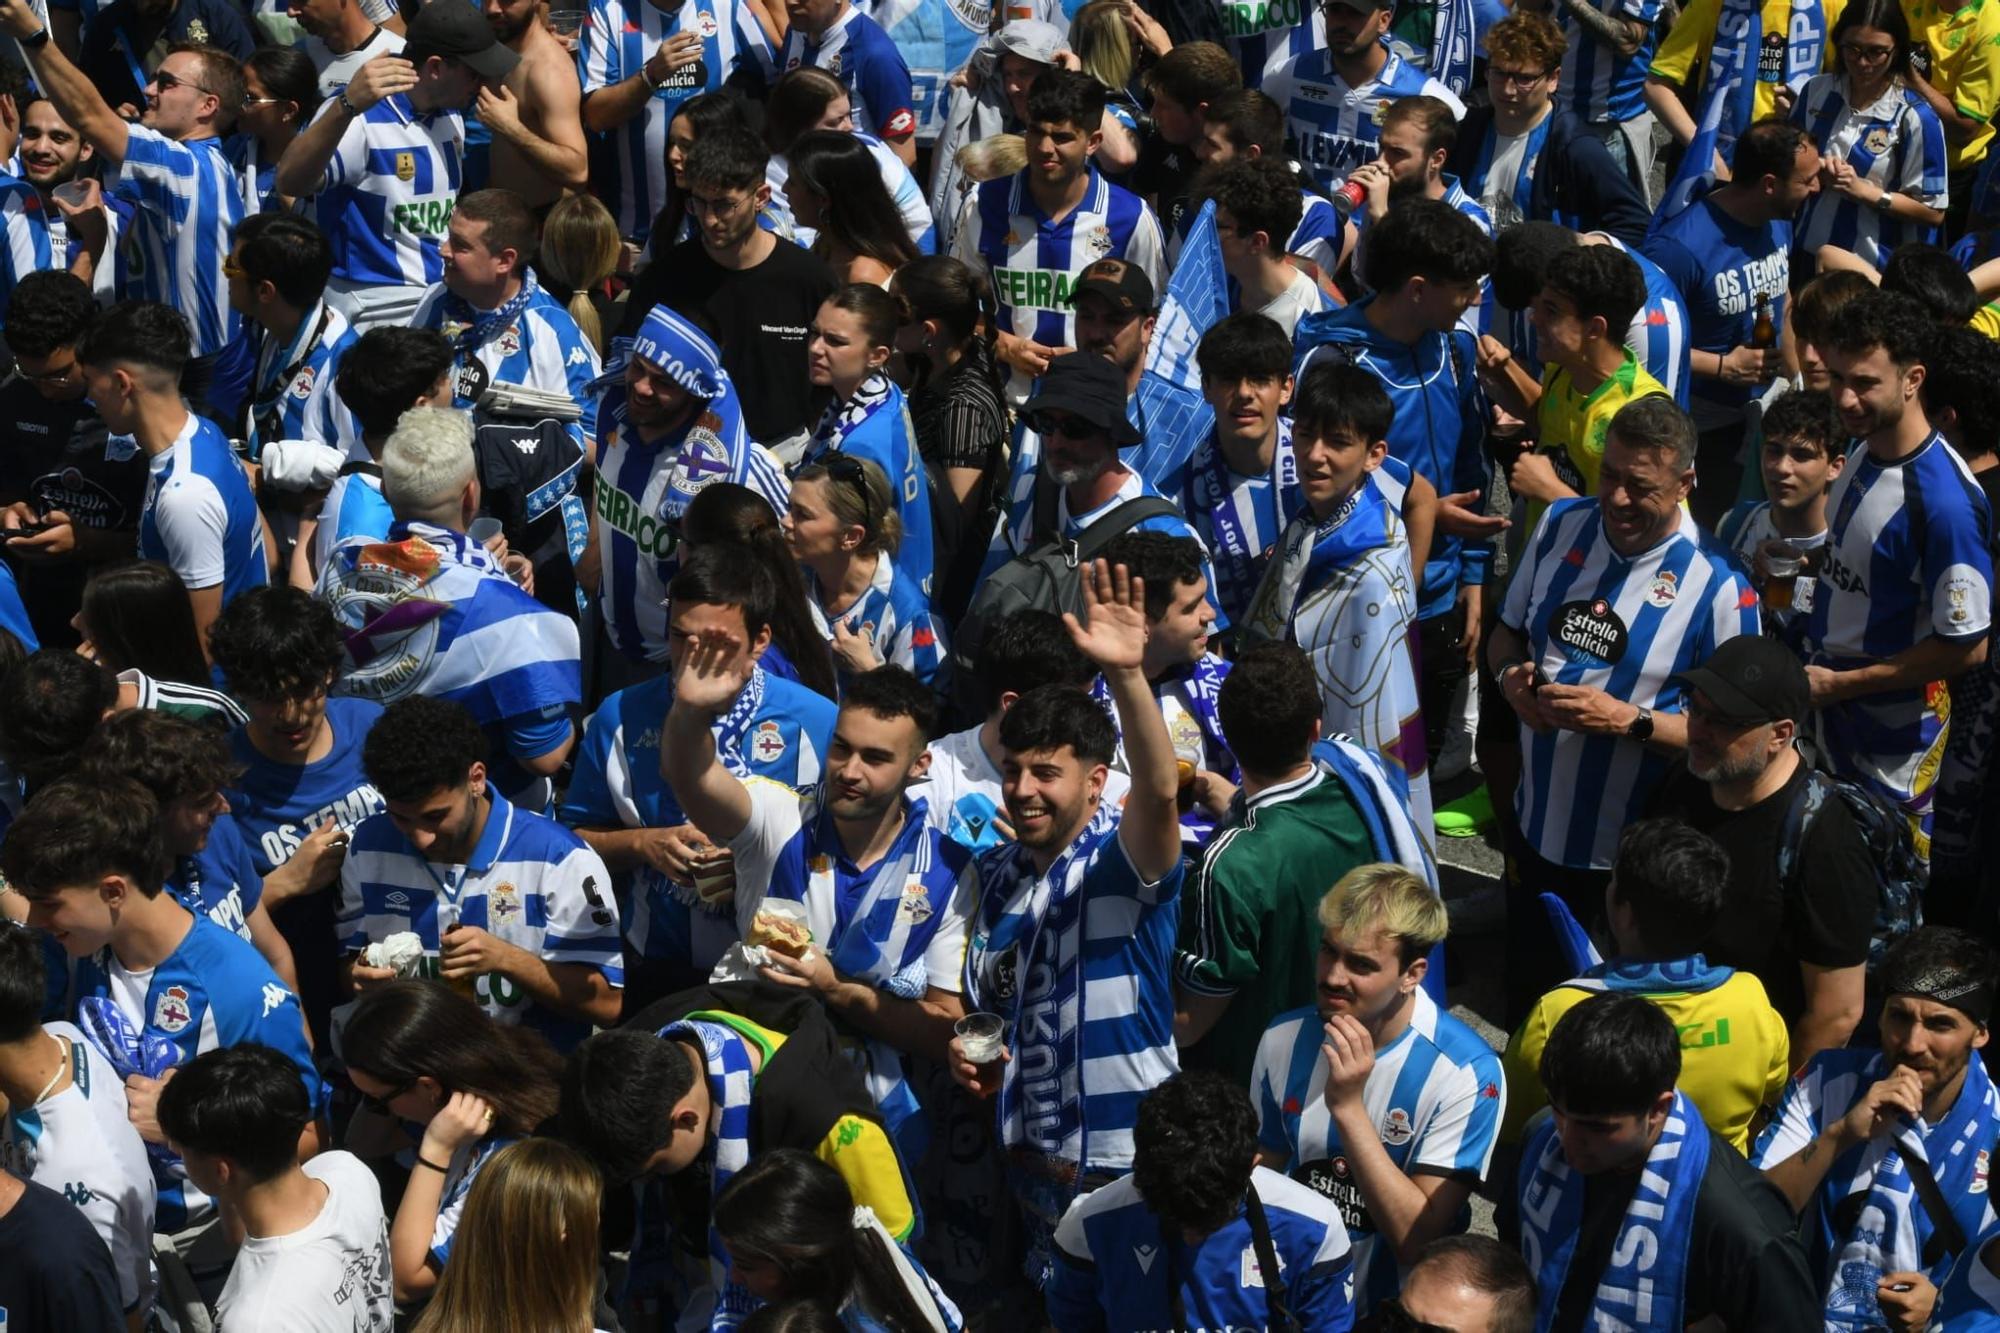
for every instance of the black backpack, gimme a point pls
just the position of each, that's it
(1900, 874)
(1047, 577)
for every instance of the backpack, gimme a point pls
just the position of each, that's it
(1046, 577)
(1900, 874)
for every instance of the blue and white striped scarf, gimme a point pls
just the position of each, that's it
(1891, 1229)
(842, 419)
(1693, 975)
(1644, 1281)
(1038, 920)
(726, 1059)
(1454, 45)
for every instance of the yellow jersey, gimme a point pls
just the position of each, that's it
(1735, 1054)
(1572, 424)
(1964, 66)
(1683, 55)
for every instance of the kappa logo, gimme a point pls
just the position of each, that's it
(1145, 1254)
(274, 997)
(577, 356)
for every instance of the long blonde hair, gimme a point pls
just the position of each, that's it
(525, 1253)
(579, 250)
(1103, 44)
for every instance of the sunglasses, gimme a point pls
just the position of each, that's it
(1070, 428)
(846, 468)
(166, 80)
(381, 1104)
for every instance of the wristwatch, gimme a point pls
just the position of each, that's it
(39, 40)
(1884, 200)
(1641, 727)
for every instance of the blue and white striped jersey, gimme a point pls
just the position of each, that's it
(640, 492)
(1110, 1272)
(354, 507)
(619, 38)
(215, 990)
(1099, 1035)
(865, 59)
(894, 613)
(293, 383)
(778, 730)
(541, 348)
(1337, 127)
(1320, 232)
(1436, 1094)
(1625, 625)
(388, 192)
(200, 518)
(464, 1168)
(1600, 83)
(1032, 261)
(1897, 144)
(529, 882)
(1970, 1301)
(1263, 35)
(1747, 527)
(962, 796)
(1907, 559)
(187, 204)
(80, 1143)
(899, 925)
(25, 244)
(1239, 518)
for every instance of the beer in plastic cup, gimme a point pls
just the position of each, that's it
(979, 1037)
(1782, 565)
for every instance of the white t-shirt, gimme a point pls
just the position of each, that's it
(128, 991)
(81, 1144)
(1297, 301)
(336, 72)
(332, 1276)
(1510, 153)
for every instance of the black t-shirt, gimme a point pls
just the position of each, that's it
(60, 456)
(1744, 1263)
(1824, 917)
(1989, 482)
(1162, 173)
(56, 1274)
(760, 316)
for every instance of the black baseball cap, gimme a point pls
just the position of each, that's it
(456, 29)
(1751, 680)
(1118, 281)
(1085, 386)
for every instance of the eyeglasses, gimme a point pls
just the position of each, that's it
(62, 376)
(1070, 428)
(1527, 78)
(1856, 51)
(249, 102)
(847, 468)
(166, 80)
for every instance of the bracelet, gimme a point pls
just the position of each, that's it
(1507, 666)
(441, 1170)
(36, 42)
(347, 106)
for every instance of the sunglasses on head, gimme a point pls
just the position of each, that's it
(847, 468)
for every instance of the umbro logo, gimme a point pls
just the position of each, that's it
(397, 901)
(1144, 1254)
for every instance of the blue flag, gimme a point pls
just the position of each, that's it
(1172, 411)
(1696, 176)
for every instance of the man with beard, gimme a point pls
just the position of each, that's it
(1903, 596)
(535, 111)
(1072, 939)
(1805, 936)
(883, 893)
(381, 162)
(52, 153)
(171, 168)
(1078, 423)
(1334, 98)
(1860, 1130)
(1374, 1096)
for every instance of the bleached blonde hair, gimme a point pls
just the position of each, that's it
(426, 463)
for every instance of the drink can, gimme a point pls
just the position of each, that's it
(1348, 198)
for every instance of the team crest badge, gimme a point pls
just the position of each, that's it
(302, 385)
(406, 167)
(503, 904)
(1380, 113)
(705, 24)
(916, 905)
(171, 1012)
(197, 32)
(1876, 141)
(1663, 590)
(1100, 241)
(1396, 1129)
(768, 745)
(510, 340)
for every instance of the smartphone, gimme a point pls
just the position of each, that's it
(35, 529)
